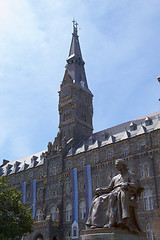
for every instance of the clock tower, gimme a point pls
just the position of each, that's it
(75, 98)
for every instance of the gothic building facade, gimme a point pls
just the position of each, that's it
(59, 183)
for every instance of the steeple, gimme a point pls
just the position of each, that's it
(75, 51)
(75, 98)
(75, 62)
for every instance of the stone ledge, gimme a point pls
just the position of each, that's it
(111, 234)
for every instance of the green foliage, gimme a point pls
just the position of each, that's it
(15, 218)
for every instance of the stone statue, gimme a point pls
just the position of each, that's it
(115, 206)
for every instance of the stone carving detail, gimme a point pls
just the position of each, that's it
(115, 206)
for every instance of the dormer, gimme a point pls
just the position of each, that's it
(133, 126)
(148, 121)
(15, 167)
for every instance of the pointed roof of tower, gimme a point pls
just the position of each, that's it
(75, 50)
(75, 62)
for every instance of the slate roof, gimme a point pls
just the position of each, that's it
(103, 138)
(118, 133)
(22, 164)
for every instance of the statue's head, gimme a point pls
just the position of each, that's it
(120, 163)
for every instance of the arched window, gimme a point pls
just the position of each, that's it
(149, 232)
(144, 170)
(54, 213)
(68, 212)
(148, 200)
(39, 215)
(82, 210)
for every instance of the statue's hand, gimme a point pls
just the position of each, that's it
(98, 191)
(124, 186)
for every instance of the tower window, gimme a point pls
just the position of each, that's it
(39, 215)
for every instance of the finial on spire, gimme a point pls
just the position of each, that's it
(75, 27)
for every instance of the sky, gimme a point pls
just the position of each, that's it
(120, 44)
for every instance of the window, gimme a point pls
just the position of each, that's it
(95, 158)
(126, 151)
(159, 141)
(54, 169)
(68, 212)
(69, 166)
(146, 168)
(144, 171)
(74, 232)
(68, 235)
(39, 215)
(149, 231)
(82, 210)
(148, 200)
(82, 163)
(54, 213)
(110, 155)
(142, 146)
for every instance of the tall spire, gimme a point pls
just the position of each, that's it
(75, 62)
(75, 98)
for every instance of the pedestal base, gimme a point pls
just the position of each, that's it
(111, 234)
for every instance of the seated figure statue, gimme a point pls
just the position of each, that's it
(115, 206)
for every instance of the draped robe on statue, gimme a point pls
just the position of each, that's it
(110, 207)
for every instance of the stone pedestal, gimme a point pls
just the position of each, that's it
(111, 234)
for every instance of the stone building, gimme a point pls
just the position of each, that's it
(59, 182)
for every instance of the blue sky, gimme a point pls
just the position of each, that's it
(120, 43)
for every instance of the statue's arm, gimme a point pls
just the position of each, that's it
(100, 191)
(131, 184)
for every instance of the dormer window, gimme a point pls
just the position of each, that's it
(133, 126)
(91, 140)
(104, 136)
(148, 121)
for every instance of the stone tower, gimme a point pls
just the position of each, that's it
(75, 98)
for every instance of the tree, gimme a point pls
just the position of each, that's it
(15, 218)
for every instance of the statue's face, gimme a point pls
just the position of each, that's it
(119, 165)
